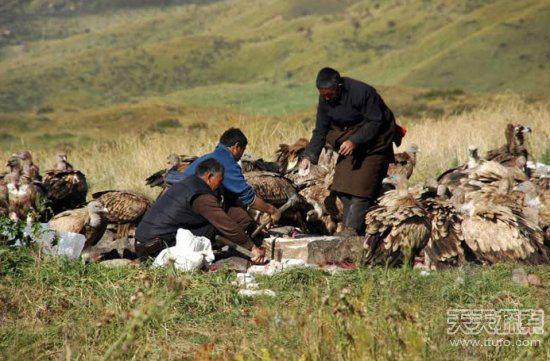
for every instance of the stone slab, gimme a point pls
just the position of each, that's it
(319, 250)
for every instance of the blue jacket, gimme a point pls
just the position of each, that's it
(233, 180)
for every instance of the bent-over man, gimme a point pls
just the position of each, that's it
(194, 204)
(353, 119)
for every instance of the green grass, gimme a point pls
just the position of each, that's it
(54, 308)
(255, 55)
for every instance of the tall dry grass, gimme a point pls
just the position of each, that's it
(443, 142)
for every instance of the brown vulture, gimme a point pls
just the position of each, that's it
(397, 229)
(451, 178)
(496, 227)
(28, 169)
(66, 188)
(514, 147)
(126, 208)
(175, 163)
(404, 162)
(288, 156)
(90, 221)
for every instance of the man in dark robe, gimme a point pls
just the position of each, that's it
(353, 119)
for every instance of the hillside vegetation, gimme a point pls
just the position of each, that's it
(68, 56)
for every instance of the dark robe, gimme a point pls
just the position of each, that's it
(361, 116)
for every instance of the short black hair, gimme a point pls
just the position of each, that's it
(233, 136)
(328, 78)
(209, 165)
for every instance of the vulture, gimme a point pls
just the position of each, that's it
(324, 213)
(490, 173)
(29, 169)
(452, 177)
(90, 221)
(514, 147)
(125, 209)
(397, 229)
(323, 171)
(66, 188)
(249, 164)
(4, 198)
(496, 228)
(445, 246)
(277, 190)
(404, 162)
(271, 187)
(24, 197)
(61, 163)
(175, 162)
(288, 156)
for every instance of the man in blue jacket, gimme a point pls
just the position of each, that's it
(228, 152)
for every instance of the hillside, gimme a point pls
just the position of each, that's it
(75, 56)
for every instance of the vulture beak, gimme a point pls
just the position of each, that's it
(104, 210)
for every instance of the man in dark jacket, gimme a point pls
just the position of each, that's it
(194, 204)
(353, 119)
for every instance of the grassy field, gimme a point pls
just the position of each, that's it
(54, 309)
(120, 84)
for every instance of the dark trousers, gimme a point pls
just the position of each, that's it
(355, 209)
(152, 247)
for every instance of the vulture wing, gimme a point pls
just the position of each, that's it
(271, 187)
(123, 206)
(70, 221)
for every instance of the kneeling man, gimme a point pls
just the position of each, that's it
(194, 204)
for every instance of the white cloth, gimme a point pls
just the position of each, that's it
(189, 254)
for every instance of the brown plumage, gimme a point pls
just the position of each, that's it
(496, 229)
(514, 147)
(66, 188)
(271, 187)
(249, 164)
(28, 169)
(398, 228)
(4, 198)
(404, 162)
(176, 163)
(89, 221)
(288, 155)
(446, 242)
(123, 206)
(452, 177)
(325, 212)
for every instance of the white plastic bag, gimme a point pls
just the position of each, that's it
(190, 252)
(68, 244)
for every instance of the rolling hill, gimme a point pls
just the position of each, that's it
(89, 54)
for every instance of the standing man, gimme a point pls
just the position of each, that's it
(352, 118)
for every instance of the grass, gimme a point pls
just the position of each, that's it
(113, 56)
(52, 308)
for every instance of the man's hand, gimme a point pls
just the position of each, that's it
(258, 255)
(275, 216)
(305, 165)
(347, 147)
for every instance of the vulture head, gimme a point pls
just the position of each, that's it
(413, 149)
(399, 183)
(174, 160)
(473, 157)
(288, 156)
(97, 212)
(13, 164)
(24, 155)
(61, 157)
(519, 133)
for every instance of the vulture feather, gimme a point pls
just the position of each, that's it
(288, 156)
(66, 188)
(89, 221)
(446, 242)
(123, 206)
(249, 164)
(29, 169)
(404, 162)
(514, 147)
(452, 177)
(176, 163)
(271, 187)
(397, 229)
(325, 212)
(496, 228)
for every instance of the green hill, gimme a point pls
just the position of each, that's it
(82, 54)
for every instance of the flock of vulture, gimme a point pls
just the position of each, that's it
(490, 209)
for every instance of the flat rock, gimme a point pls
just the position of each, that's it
(320, 250)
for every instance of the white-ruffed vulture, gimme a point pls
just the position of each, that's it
(90, 221)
